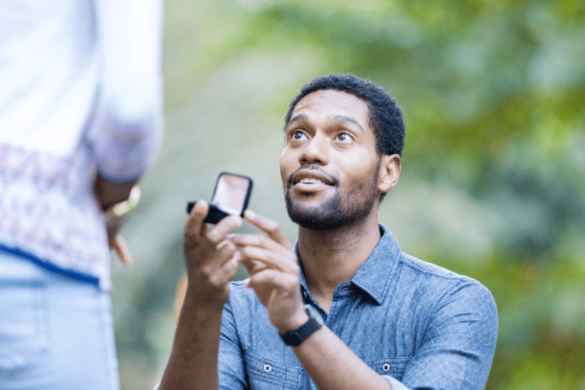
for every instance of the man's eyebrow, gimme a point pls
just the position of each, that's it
(337, 118)
(300, 117)
(346, 119)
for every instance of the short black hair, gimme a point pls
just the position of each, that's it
(385, 115)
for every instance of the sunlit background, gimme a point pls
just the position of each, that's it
(493, 180)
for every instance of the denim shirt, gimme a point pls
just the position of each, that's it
(418, 325)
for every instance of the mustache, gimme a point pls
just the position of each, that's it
(317, 168)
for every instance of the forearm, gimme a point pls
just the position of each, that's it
(129, 120)
(193, 361)
(333, 366)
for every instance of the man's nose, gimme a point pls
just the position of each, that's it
(316, 151)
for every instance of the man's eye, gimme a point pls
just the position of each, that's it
(298, 135)
(343, 137)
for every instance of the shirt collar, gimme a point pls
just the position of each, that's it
(373, 277)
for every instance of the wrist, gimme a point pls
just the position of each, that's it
(115, 213)
(110, 193)
(204, 301)
(294, 322)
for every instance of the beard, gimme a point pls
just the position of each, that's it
(337, 211)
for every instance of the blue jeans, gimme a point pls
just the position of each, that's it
(55, 332)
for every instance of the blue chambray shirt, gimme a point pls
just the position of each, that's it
(419, 325)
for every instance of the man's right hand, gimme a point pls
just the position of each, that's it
(211, 260)
(211, 263)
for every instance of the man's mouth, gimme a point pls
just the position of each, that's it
(311, 181)
(311, 175)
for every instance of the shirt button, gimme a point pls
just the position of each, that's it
(386, 367)
(267, 368)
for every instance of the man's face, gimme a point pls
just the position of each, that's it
(329, 165)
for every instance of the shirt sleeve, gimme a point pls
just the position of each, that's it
(230, 362)
(128, 122)
(458, 345)
(395, 384)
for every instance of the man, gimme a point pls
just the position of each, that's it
(390, 321)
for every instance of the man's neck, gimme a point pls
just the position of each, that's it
(332, 257)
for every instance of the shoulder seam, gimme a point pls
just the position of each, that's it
(453, 276)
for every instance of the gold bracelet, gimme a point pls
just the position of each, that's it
(122, 209)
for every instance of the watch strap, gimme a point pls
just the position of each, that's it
(296, 337)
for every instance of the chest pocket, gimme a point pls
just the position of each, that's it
(394, 367)
(265, 374)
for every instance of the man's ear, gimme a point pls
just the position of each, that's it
(389, 173)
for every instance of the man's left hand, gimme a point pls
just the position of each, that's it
(274, 272)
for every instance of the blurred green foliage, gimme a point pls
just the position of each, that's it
(494, 99)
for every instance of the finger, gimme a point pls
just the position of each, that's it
(259, 240)
(224, 254)
(221, 244)
(252, 266)
(195, 226)
(283, 283)
(112, 233)
(227, 271)
(268, 226)
(220, 231)
(231, 267)
(211, 266)
(122, 250)
(271, 259)
(242, 241)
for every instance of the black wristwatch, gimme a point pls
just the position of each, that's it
(296, 337)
